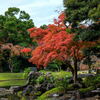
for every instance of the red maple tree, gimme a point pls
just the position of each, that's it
(55, 43)
(26, 50)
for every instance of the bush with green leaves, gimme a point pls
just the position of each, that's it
(92, 81)
(26, 72)
(40, 79)
(45, 78)
(55, 65)
(62, 82)
(85, 90)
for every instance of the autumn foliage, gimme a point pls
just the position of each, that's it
(55, 43)
(14, 49)
(26, 50)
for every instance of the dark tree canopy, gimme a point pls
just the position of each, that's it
(84, 19)
(13, 30)
(44, 26)
(82, 10)
(13, 27)
(84, 15)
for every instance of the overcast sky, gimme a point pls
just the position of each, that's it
(41, 11)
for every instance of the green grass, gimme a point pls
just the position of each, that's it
(12, 83)
(9, 79)
(9, 76)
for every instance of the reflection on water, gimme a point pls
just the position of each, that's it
(15, 97)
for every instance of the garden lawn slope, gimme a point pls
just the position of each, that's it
(11, 79)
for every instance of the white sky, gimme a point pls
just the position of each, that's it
(41, 11)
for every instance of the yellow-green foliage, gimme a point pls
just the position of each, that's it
(83, 72)
(40, 79)
(60, 74)
(45, 95)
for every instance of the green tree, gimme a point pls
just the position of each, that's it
(13, 30)
(44, 26)
(84, 18)
(13, 27)
(82, 10)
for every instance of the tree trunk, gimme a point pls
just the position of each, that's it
(89, 71)
(75, 71)
(1, 68)
(97, 71)
(11, 68)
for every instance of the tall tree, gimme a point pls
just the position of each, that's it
(78, 11)
(84, 15)
(84, 19)
(13, 31)
(13, 27)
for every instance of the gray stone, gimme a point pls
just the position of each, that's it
(2, 89)
(3, 98)
(55, 95)
(4, 92)
(28, 90)
(72, 98)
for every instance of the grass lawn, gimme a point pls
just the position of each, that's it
(9, 79)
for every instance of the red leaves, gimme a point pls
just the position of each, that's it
(62, 16)
(37, 34)
(14, 49)
(55, 43)
(40, 35)
(53, 47)
(26, 50)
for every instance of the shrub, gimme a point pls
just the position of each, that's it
(40, 79)
(91, 81)
(85, 90)
(26, 72)
(54, 65)
(70, 87)
(62, 82)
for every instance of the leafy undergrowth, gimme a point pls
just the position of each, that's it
(92, 81)
(88, 84)
(85, 90)
(60, 74)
